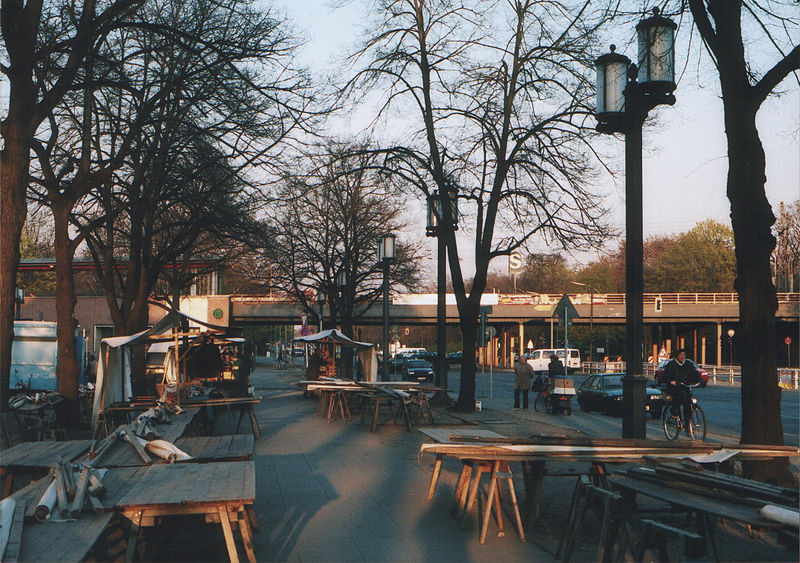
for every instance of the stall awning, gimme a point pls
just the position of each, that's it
(333, 335)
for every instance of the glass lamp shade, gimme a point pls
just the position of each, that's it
(386, 247)
(656, 54)
(341, 278)
(433, 212)
(612, 77)
(320, 297)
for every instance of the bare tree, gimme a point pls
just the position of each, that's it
(327, 220)
(745, 85)
(499, 96)
(44, 49)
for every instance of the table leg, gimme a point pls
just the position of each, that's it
(437, 467)
(254, 423)
(480, 468)
(251, 517)
(492, 490)
(375, 413)
(513, 494)
(406, 415)
(247, 536)
(461, 488)
(228, 533)
(133, 536)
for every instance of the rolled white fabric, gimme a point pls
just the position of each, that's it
(166, 450)
(782, 515)
(46, 503)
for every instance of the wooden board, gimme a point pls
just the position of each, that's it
(116, 481)
(231, 447)
(33, 455)
(690, 501)
(193, 483)
(442, 435)
(64, 541)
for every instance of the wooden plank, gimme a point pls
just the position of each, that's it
(65, 541)
(447, 435)
(190, 483)
(15, 536)
(693, 502)
(42, 454)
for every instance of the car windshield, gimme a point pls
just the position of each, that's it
(418, 364)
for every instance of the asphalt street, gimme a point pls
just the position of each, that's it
(721, 403)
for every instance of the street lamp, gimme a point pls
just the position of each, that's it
(19, 299)
(625, 94)
(321, 305)
(592, 291)
(435, 219)
(385, 257)
(731, 332)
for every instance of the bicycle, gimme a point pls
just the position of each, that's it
(673, 425)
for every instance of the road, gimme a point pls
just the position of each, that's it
(721, 403)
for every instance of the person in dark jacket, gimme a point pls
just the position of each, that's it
(523, 372)
(678, 373)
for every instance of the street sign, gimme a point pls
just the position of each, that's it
(515, 262)
(787, 340)
(565, 309)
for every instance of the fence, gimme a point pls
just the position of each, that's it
(788, 378)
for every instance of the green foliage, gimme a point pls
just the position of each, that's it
(546, 273)
(37, 242)
(700, 260)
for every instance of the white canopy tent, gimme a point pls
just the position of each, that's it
(365, 350)
(113, 382)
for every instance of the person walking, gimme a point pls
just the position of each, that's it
(523, 372)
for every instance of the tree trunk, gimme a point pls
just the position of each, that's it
(14, 166)
(67, 366)
(752, 218)
(469, 368)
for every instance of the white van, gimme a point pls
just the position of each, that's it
(540, 359)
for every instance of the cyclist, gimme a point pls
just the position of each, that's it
(679, 373)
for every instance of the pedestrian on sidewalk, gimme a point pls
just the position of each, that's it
(523, 372)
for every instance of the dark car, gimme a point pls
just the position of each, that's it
(603, 392)
(454, 357)
(418, 370)
(663, 363)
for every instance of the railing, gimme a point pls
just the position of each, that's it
(788, 378)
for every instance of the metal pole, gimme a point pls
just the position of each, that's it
(633, 418)
(385, 374)
(441, 313)
(591, 323)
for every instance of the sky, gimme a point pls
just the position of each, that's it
(684, 158)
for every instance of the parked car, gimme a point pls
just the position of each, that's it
(659, 373)
(603, 392)
(418, 370)
(454, 357)
(539, 360)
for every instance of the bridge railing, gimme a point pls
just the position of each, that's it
(788, 378)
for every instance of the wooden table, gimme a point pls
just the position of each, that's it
(222, 491)
(36, 458)
(72, 540)
(244, 404)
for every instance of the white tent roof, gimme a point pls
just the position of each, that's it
(332, 335)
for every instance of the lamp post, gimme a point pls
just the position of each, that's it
(592, 291)
(19, 299)
(342, 280)
(435, 221)
(321, 305)
(731, 332)
(625, 94)
(385, 257)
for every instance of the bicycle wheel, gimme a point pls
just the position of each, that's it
(671, 424)
(538, 403)
(697, 430)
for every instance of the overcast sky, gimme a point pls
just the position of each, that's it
(684, 160)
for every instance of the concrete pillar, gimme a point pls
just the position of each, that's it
(521, 339)
(719, 344)
(702, 349)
